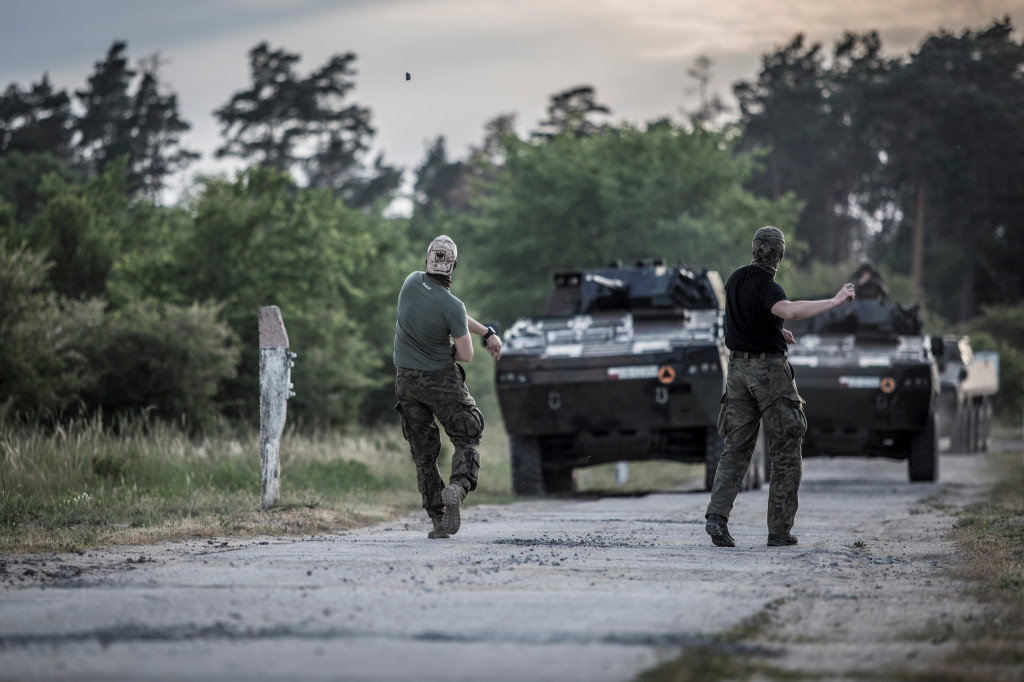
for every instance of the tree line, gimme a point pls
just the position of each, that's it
(111, 302)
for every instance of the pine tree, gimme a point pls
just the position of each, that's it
(37, 120)
(305, 125)
(155, 130)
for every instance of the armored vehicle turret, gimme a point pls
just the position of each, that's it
(624, 364)
(870, 381)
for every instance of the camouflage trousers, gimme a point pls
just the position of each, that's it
(422, 396)
(759, 388)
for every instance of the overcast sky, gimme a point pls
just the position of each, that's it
(470, 60)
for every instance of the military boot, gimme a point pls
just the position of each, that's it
(438, 532)
(718, 528)
(781, 539)
(452, 496)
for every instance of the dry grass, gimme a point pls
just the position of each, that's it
(989, 537)
(83, 486)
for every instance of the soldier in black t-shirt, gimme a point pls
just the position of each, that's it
(760, 385)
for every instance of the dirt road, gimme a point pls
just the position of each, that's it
(580, 589)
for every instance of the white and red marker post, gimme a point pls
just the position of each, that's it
(276, 361)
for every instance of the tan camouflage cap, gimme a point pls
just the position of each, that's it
(441, 256)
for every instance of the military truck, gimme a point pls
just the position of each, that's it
(870, 381)
(624, 364)
(968, 383)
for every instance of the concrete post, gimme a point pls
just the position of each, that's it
(276, 362)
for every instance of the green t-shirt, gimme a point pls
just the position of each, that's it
(429, 317)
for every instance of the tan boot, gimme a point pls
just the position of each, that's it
(452, 496)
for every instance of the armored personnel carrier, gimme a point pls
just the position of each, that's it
(968, 382)
(624, 364)
(870, 381)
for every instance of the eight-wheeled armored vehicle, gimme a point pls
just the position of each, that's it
(870, 381)
(624, 364)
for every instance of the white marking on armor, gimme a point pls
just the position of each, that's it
(566, 351)
(860, 382)
(651, 346)
(633, 372)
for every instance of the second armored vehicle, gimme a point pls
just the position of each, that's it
(870, 382)
(625, 364)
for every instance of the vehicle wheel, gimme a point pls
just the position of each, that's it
(527, 474)
(980, 427)
(985, 430)
(559, 482)
(759, 463)
(972, 427)
(961, 430)
(713, 446)
(923, 462)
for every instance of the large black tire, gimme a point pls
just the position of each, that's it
(972, 429)
(982, 420)
(961, 437)
(559, 482)
(985, 428)
(923, 461)
(713, 446)
(756, 472)
(760, 461)
(527, 465)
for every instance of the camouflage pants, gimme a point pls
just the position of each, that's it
(759, 388)
(422, 396)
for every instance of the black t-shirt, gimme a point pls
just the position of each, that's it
(750, 326)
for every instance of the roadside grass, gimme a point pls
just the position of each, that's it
(82, 486)
(989, 537)
(733, 655)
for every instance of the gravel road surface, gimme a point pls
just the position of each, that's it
(567, 589)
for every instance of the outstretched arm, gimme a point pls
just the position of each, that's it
(801, 310)
(493, 342)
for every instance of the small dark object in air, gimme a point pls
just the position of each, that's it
(407, 76)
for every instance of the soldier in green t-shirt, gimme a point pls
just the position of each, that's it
(432, 332)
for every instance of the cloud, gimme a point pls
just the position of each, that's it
(470, 60)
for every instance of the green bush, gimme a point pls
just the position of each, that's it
(42, 373)
(160, 358)
(62, 357)
(258, 240)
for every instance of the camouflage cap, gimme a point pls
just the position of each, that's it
(769, 232)
(441, 256)
(768, 248)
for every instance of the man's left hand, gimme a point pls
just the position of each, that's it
(788, 335)
(494, 346)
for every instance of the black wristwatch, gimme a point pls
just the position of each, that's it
(489, 334)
